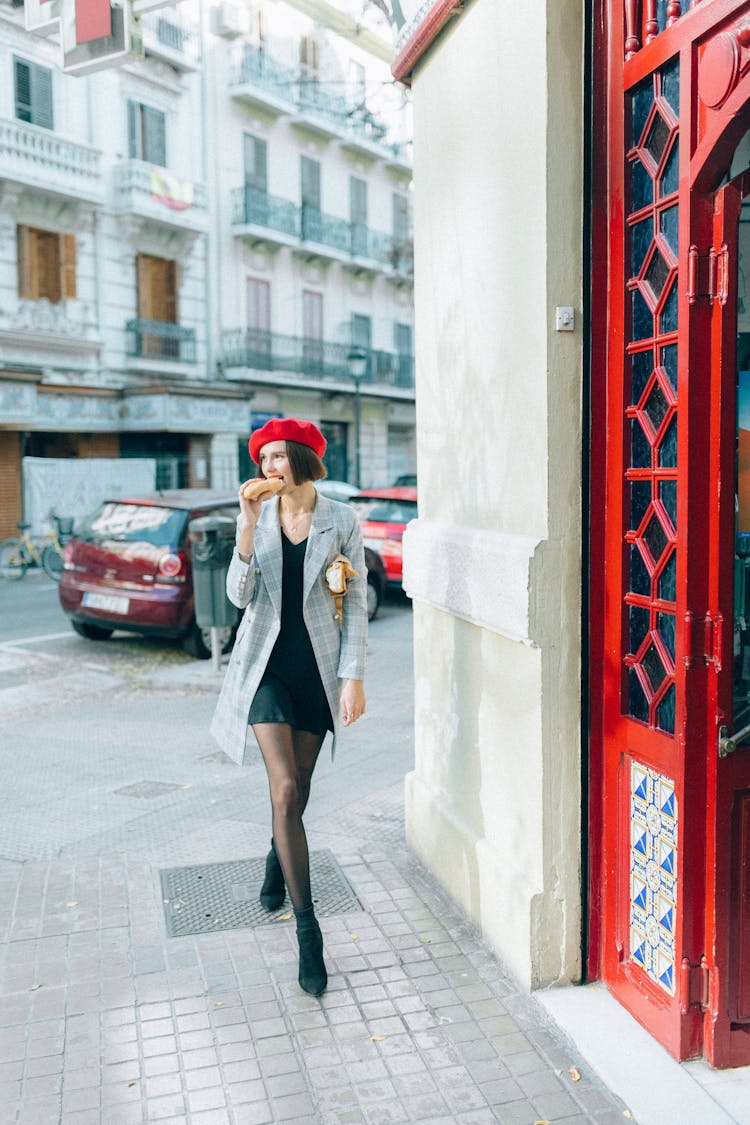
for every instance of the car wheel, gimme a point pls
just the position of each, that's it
(197, 643)
(92, 632)
(373, 597)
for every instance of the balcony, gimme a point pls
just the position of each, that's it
(165, 37)
(269, 353)
(264, 219)
(319, 113)
(156, 339)
(260, 82)
(155, 198)
(41, 159)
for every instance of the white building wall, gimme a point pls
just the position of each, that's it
(493, 563)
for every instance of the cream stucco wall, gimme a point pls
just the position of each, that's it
(493, 563)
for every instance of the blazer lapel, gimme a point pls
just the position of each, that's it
(318, 543)
(267, 547)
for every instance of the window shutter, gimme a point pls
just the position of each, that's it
(258, 304)
(310, 175)
(47, 255)
(23, 90)
(41, 96)
(133, 148)
(144, 286)
(358, 200)
(27, 282)
(256, 173)
(312, 315)
(361, 331)
(170, 292)
(154, 137)
(400, 217)
(68, 266)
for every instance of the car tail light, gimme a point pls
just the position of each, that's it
(68, 563)
(172, 567)
(394, 533)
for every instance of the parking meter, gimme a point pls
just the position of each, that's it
(212, 543)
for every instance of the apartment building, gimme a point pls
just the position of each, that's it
(214, 232)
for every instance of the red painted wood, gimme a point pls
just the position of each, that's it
(651, 25)
(632, 22)
(93, 20)
(422, 38)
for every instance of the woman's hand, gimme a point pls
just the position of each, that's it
(250, 509)
(352, 701)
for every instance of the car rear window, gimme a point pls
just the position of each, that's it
(385, 511)
(128, 523)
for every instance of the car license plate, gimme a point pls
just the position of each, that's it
(111, 602)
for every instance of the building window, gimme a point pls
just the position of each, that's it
(147, 134)
(403, 342)
(46, 265)
(312, 332)
(357, 84)
(256, 173)
(258, 335)
(310, 182)
(358, 215)
(400, 218)
(33, 92)
(156, 280)
(308, 58)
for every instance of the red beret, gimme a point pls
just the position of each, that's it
(287, 429)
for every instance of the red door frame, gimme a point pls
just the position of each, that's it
(683, 1022)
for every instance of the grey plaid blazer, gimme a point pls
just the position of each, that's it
(256, 588)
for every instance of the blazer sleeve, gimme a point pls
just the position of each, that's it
(241, 578)
(353, 650)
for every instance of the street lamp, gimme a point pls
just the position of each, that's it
(357, 364)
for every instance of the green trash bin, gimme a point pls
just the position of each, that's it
(212, 543)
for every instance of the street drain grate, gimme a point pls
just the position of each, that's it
(212, 897)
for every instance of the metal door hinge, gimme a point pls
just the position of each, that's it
(703, 639)
(708, 274)
(695, 985)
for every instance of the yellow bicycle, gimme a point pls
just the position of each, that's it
(19, 553)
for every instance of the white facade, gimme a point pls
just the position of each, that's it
(145, 166)
(493, 563)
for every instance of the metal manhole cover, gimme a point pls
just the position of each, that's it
(211, 897)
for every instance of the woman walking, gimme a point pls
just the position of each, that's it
(298, 660)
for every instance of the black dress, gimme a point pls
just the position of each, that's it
(291, 690)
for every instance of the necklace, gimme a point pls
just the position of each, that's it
(296, 526)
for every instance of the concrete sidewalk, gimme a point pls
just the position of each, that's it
(104, 1018)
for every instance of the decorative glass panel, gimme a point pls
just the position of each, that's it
(667, 585)
(641, 101)
(670, 180)
(640, 581)
(638, 701)
(639, 622)
(656, 406)
(656, 274)
(669, 224)
(668, 447)
(665, 623)
(655, 539)
(640, 498)
(654, 668)
(643, 321)
(642, 236)
(657, 138)
(642, 189)
(640, 449)
(642, 364)
(665, 712)
(669, 312)
(670, 85)
(668, 497)
(668, 360)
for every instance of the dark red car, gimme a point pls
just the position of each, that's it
(384, 514)
(128, 566)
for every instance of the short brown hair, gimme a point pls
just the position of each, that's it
(304, 462)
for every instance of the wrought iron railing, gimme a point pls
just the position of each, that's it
(253, 207)
(157, 338)
(304, 91)
(261, 350)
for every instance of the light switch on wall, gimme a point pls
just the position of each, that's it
(565, 318)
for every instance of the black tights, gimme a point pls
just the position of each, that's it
(290, 756)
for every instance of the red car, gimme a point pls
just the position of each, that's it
(384, 514)
(128, 566)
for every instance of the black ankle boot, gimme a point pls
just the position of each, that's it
(272, 892)
(313, 977)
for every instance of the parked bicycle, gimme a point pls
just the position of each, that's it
(19, 553)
